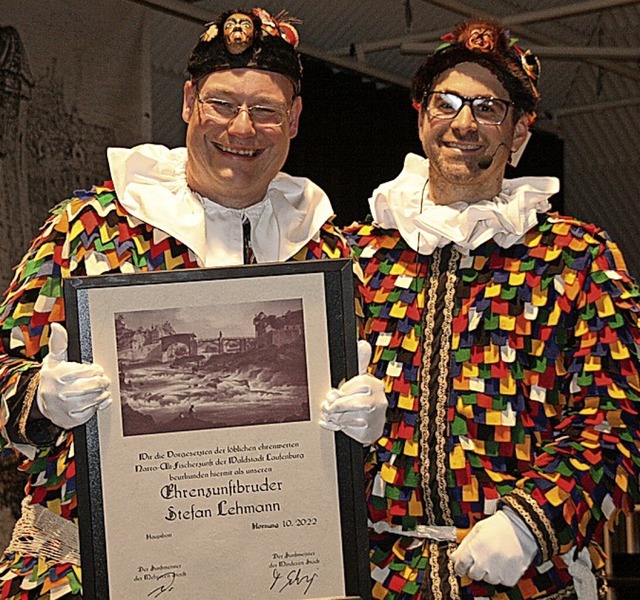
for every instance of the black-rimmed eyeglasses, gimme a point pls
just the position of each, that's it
(223, 111)
(486, 110)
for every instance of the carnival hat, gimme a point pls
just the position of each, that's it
(491, 46)
(248, 39)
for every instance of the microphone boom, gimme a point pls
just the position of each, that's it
(486, 161)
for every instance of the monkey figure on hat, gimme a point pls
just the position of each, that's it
(507, 341)
(221, 200)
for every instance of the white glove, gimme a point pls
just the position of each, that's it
(359, 406)
(69, 392)
(498, 550)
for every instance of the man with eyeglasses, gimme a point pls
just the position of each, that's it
(220, 201)
(507, 340)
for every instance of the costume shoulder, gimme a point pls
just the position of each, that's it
(100, 199)
(368, 239)
(579, 245)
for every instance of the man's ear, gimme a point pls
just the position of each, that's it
(294, 116)
(520, 133)
(521, 136)
(188, 100)
(421, 119)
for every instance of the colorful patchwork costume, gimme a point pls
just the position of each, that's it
(508, 346)
(117, 230)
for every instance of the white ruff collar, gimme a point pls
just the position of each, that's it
(150, 182)
(403, 204)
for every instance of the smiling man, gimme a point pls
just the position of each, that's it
(234, 152)
(224, 191)
(220, 201)
(507, 340)
(468, 147)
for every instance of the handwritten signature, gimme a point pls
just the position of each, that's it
(295, 577)
(167, 586)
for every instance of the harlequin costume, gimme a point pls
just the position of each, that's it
(507, 339)
(119, 229)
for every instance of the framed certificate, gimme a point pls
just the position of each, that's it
(209, 476)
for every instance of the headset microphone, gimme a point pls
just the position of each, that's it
(486, 161)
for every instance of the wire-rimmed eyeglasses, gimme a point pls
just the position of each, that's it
(224, 111)
(486, 110)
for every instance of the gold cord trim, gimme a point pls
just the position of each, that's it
(520, 497)
(425, 384)
(29, 396)
(443, 385)
(438, 426)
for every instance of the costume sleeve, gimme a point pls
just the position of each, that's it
(589, 467)
(32, 301)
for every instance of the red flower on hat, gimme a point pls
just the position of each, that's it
(280, 26)
(290, 34)
(480, 40)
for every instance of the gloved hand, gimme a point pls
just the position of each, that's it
(359, 406)
(498, 549)
(69, 392)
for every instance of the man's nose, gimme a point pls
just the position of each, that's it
(465, 121)
(241, 124)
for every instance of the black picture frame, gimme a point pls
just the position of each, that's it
(334, 296)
